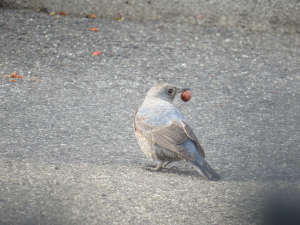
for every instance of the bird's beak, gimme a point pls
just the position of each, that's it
(182, 89)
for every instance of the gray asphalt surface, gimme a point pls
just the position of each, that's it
(275, 15)
(68, 154)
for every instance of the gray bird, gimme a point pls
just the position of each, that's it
(163, 132)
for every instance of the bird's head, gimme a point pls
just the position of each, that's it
(165, 92)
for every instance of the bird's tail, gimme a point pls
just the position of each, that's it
(205, 170)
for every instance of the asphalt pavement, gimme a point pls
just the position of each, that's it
(68, 154)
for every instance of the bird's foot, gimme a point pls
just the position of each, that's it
(162, 165)
(152, 168)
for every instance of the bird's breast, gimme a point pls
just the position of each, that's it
(160, 113)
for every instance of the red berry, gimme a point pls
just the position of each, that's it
(185, 96)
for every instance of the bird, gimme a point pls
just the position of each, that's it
(164, 134)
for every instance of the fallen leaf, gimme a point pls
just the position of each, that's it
(62, 13)
(199, 17)
(12, 80)
(91, 16)
(119, 17)
(93, 29)
(96, 53)
(52, 14)
(14, 74)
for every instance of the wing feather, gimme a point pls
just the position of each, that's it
(190, 133)
(170, 137)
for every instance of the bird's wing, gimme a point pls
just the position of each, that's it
(190, 133)
(170, 137)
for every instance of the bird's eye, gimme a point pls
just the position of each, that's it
(170, 91)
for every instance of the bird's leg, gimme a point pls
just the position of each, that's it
(159, 167)
(162, 165)
(165, 164)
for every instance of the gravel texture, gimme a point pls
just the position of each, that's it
(68, 154)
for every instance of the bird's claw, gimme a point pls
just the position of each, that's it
(159, 168)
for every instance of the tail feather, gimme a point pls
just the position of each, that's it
(199, 162)
(205, 170)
